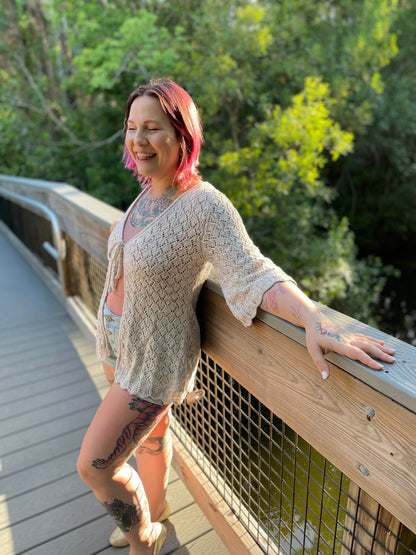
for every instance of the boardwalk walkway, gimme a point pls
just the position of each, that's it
(51, 386)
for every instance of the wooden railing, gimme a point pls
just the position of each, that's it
(360, 420)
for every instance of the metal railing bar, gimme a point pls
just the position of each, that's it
(58, 250)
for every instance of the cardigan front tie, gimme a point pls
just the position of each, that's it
(115, 268)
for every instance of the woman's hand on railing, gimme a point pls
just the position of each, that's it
(323, 335)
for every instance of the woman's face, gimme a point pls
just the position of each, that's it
(151, 141)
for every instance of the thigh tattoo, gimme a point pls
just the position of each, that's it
(135, 431)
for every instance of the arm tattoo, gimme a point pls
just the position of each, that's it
(135, 431)
(126, 516)
(298, 312)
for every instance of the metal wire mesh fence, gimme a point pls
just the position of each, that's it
(287, 495)
(86, 276)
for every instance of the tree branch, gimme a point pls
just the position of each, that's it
(46, 108)
(99, 144)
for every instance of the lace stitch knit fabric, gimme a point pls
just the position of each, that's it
(165, 266)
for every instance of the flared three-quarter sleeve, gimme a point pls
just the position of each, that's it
(243, 272)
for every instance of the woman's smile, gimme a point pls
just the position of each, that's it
(144, 156)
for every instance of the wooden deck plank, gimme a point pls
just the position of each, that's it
(22, 360)
(39, 386)
(43, 451)
(52, 337)
(37, 475)
(53, 523)
(52, 411)
(53, 384)
(207, 544)
(8, 332)
(25, 440)
(187, 527)
(92, 536)
(41, 499)
(44, 372)
(89, 538)
(45, 398)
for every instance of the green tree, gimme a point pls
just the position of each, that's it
(290, 215)
(377, 183)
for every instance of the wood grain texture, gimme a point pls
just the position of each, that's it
(331, 415)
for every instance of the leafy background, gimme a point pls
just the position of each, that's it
(309, 116)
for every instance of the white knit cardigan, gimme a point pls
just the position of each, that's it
(165, 265)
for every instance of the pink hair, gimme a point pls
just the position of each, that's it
(183, 114)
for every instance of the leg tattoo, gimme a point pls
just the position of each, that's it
(135, 431)
(155, 445)
(126, 516)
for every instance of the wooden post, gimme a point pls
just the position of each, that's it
(369, 528)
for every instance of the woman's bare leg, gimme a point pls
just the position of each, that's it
(153, 458)
(109, 373)
(121, 424)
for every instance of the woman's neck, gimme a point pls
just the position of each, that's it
(163, 191)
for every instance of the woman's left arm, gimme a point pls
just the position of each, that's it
(287, 301)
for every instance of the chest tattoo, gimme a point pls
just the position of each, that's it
(149, 208)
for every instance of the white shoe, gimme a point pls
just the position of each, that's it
(161, 538)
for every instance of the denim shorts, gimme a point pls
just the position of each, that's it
(112, 329)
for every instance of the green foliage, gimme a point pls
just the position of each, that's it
(138, 47)
(377, 185)
(289, 215)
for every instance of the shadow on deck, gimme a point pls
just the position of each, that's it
(52, 384)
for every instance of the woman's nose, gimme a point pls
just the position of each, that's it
(140, 137)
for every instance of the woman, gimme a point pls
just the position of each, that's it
(160, 254)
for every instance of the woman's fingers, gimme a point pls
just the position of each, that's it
(378, 351)
(359, 347)
(362, 352)
(373, 340)
(317, 355)
(356, 353)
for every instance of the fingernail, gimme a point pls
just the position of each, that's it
(324, 375)
(392, 359)
(380, 366)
